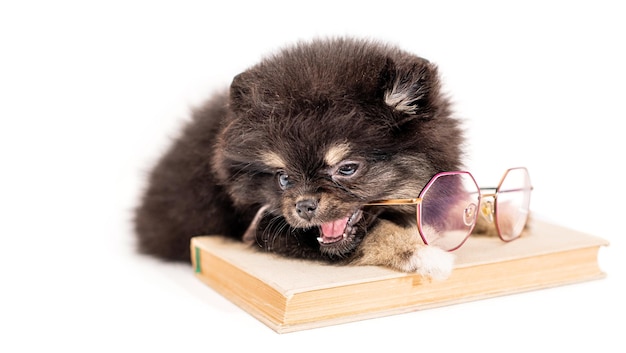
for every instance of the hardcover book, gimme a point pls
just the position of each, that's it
(292, 294)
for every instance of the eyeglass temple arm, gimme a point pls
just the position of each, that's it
(417, 200)
(413, 201)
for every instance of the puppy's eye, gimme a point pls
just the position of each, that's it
(283, 179)
(347, 169)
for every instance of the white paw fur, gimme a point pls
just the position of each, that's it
(432, 262)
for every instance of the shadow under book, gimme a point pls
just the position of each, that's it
(290, 294)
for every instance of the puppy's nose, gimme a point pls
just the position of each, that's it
(306, 208)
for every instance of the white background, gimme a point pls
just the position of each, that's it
(92, 92)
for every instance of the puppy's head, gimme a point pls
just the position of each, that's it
(323, 128)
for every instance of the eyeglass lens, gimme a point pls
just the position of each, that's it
(512, 203)
(448, 209)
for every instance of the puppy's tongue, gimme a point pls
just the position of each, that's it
(333, 231)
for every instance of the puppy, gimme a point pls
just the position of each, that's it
(288, 158)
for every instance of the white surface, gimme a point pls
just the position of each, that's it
(90, 95)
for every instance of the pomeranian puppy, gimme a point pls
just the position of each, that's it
(288, 158)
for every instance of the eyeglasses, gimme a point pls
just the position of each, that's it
(448, 206)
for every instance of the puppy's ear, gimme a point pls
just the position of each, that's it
(241, 93)
(248, 92)
(412, 87)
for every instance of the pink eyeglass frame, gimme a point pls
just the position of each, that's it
(490, 214)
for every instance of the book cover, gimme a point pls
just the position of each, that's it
(292, 294)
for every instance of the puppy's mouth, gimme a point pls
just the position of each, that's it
(340, 230)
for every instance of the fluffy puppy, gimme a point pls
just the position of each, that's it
(288, 158)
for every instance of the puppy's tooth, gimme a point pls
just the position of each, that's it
(320, 239)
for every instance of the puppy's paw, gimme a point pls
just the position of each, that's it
(402, 249)
(431, 262)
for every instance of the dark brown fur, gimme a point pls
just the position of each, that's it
(268, 142)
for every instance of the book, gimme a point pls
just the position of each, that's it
(292, 294)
